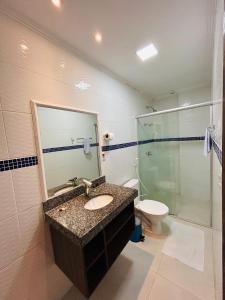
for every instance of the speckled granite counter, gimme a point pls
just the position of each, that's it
(80, 224)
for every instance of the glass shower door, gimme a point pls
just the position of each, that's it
(158, 163)
(172, 167)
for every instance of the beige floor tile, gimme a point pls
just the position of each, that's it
(147, 286)
(163, 289)
(154, 247)
(199, 283)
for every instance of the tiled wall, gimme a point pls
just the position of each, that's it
(47, 73)
(217, 94)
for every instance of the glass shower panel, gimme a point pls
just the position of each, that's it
(194, 198)
(158, 163)
(172, 167)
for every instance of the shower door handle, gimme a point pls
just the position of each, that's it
(148, 153)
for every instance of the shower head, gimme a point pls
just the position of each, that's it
(153, 108)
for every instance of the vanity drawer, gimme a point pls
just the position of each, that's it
(117, 223)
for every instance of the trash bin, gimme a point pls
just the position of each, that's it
(137, 234)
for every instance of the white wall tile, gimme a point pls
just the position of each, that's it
(9, 242)
(19, 132)
(19, 86)
(120, 172)
(7, 199)
(25, 279)
(12, 283)
(27, 187)
(3, 144)
(31, 227)
(38, 76)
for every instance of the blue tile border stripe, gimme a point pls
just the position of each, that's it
(17, 163)
(66, 148)
(217, 150)
(174, 139)
(23, 162)
(123, 145)
(118, 146)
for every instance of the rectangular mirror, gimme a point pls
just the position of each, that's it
(68, 145)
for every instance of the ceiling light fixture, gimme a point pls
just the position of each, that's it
(82, 85)
(147, 52)
(98, 37)
(56, 3)
(24, 47)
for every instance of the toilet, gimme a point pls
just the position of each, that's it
(153, 210)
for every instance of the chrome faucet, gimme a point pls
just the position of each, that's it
(72, 182)
(88, 185)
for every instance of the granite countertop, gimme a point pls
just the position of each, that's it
(80, 224)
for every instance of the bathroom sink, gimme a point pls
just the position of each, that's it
(98, 202)
(63, 190)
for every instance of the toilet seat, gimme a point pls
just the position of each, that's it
(153, 207)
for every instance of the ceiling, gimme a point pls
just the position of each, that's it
(180, 29)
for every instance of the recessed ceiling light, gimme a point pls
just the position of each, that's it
(98, 37)
(82, 85)
(56, 3)
(24, 47)
(147, 52)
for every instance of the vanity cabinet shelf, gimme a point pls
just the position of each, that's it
(96, 272)
(119, 241)
(86, 266)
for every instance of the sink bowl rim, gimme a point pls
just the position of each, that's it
(96, 196)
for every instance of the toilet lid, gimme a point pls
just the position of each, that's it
(153, 207)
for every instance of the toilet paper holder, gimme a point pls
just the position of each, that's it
(108, 136)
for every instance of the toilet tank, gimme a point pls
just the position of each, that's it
(134, 184)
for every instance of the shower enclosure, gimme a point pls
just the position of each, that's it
(172, 166)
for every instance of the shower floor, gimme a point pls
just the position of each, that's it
(195, 211)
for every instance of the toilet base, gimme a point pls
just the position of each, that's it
(156, 228)
(151, 229)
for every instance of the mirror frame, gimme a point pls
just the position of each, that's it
(37, 135)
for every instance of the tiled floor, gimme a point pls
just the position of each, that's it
(166, 279)
(169, 279)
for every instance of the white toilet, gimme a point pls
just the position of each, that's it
(153, 210)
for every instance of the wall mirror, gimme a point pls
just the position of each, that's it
(68, 146)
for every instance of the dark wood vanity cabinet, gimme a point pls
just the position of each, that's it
(86, 266)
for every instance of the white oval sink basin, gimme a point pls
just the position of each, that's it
(63, 190)
(98, 202)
